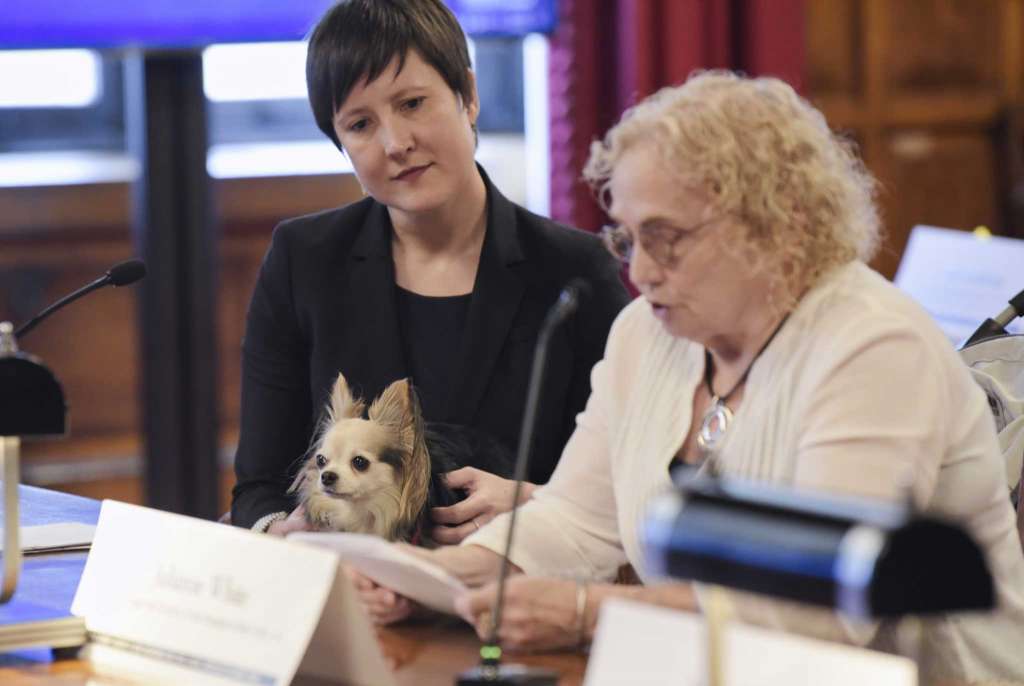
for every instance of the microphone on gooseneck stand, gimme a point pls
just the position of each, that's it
(490, 671)
(121, 274)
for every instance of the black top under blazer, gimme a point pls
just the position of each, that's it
(325, 303)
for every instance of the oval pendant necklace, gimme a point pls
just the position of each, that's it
(718, 416)
(715, 422)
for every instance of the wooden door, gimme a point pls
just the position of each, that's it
(929, 89)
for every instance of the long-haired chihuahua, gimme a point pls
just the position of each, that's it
(381, 474)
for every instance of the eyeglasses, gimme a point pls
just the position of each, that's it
(658, 239)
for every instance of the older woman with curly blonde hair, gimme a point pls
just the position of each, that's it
(763, 347)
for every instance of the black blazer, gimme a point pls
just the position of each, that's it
(325, 302)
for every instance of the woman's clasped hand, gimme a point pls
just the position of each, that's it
(487, 496)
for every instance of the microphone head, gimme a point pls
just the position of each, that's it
(578, 288)
(126, 272)
(571, 296)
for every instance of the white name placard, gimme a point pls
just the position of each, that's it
(961, 278)
(162, 593)
(653, 646)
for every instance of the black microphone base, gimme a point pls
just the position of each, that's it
(511, 675)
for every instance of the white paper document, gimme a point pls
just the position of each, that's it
(390, 567)
(960, 278)
(644, 645)
(162, 593)
(55, 538)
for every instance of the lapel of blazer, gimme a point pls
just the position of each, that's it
(369, 310)
(497, 293)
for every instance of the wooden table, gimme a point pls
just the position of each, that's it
(425, 654)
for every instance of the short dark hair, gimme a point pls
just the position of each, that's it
(357, 39)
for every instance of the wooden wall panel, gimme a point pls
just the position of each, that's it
(935, 45)
(128, 489)
(937, 178)
(63, 211)
(833, 48)
(240, 262)
(932, 84)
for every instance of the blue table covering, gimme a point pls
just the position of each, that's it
(48, 582)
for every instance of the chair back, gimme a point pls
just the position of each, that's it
(997, 365)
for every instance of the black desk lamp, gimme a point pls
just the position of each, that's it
(31, 404)
(864, 558)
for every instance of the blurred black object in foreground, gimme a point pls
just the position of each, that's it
(864, 558)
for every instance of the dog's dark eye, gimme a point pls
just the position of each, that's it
(321, 461)
(360, 463)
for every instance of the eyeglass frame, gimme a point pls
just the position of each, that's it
(661, 249)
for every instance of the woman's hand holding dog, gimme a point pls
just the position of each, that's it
(296, 521)
(488, 496)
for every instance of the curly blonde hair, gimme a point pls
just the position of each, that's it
(763, 154)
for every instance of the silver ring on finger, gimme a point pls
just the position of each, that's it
(476, 523)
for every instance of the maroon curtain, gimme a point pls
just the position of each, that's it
(607, 54)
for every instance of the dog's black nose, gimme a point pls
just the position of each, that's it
(328, 478)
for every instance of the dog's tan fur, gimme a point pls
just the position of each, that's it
(385, 498)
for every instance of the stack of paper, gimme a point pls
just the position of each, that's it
(24, 625)
(39, 614)
(65, 537)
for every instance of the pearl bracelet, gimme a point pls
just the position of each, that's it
(264, 522)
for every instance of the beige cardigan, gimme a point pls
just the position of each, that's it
(859, 393)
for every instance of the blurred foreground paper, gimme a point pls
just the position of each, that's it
(162, 591)
(646, 645)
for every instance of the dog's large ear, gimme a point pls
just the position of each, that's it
(343, 405)
(399, 408)
(393, 407)
(416, 487)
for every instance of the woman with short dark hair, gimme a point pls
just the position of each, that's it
(434, 276)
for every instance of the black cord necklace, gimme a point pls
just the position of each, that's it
(718, 417)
